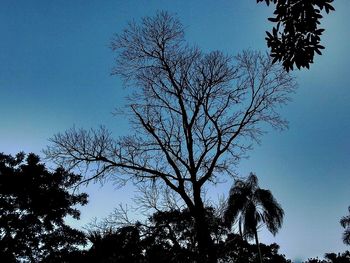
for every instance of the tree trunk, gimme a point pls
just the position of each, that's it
(205, 243)
(258, 246)
(206, 248)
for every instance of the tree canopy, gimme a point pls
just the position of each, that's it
(33, 205)
(170, 236)
(332, 258)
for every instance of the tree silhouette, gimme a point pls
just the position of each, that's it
(338, 258)
(194, 116)
(176, 231)
(296, 37)
(332, 258)
(236, 249)
(121, 246)
(345, 222)
(33, 204)
(252, 205)
(169, 236)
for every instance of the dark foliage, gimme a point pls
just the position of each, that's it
(235, 249)
(122, 246)
(169, 237)
(345, 222)
(332, 258)
(174, 233)
(297, 35)
(33, 205)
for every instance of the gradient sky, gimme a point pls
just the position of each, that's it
(55, 73)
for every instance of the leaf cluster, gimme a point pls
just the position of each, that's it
(297, 35)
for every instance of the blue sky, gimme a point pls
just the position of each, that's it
(55, 73)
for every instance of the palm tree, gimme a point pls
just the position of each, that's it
(345, 222)
(252, 206)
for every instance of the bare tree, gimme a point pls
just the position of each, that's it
(194, 115)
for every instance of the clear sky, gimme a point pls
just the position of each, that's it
(55, 73)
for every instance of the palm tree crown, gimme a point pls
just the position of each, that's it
(252, 206)
(345, 222)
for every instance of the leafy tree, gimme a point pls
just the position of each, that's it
(33, 205)
(194, 116)
(332, 258)
(252, 205)
(166, 236)
(345, 222)
(121, 246)
(169, 236)
(171, 233)
(296, 36)
(315, 260)
(236, 249)
(175, 230)
(338, 258)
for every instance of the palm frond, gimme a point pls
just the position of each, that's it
(272, 211)
(345, 221)
(346, 236)
(235, 204)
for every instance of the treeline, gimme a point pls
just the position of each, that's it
(35, 201)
